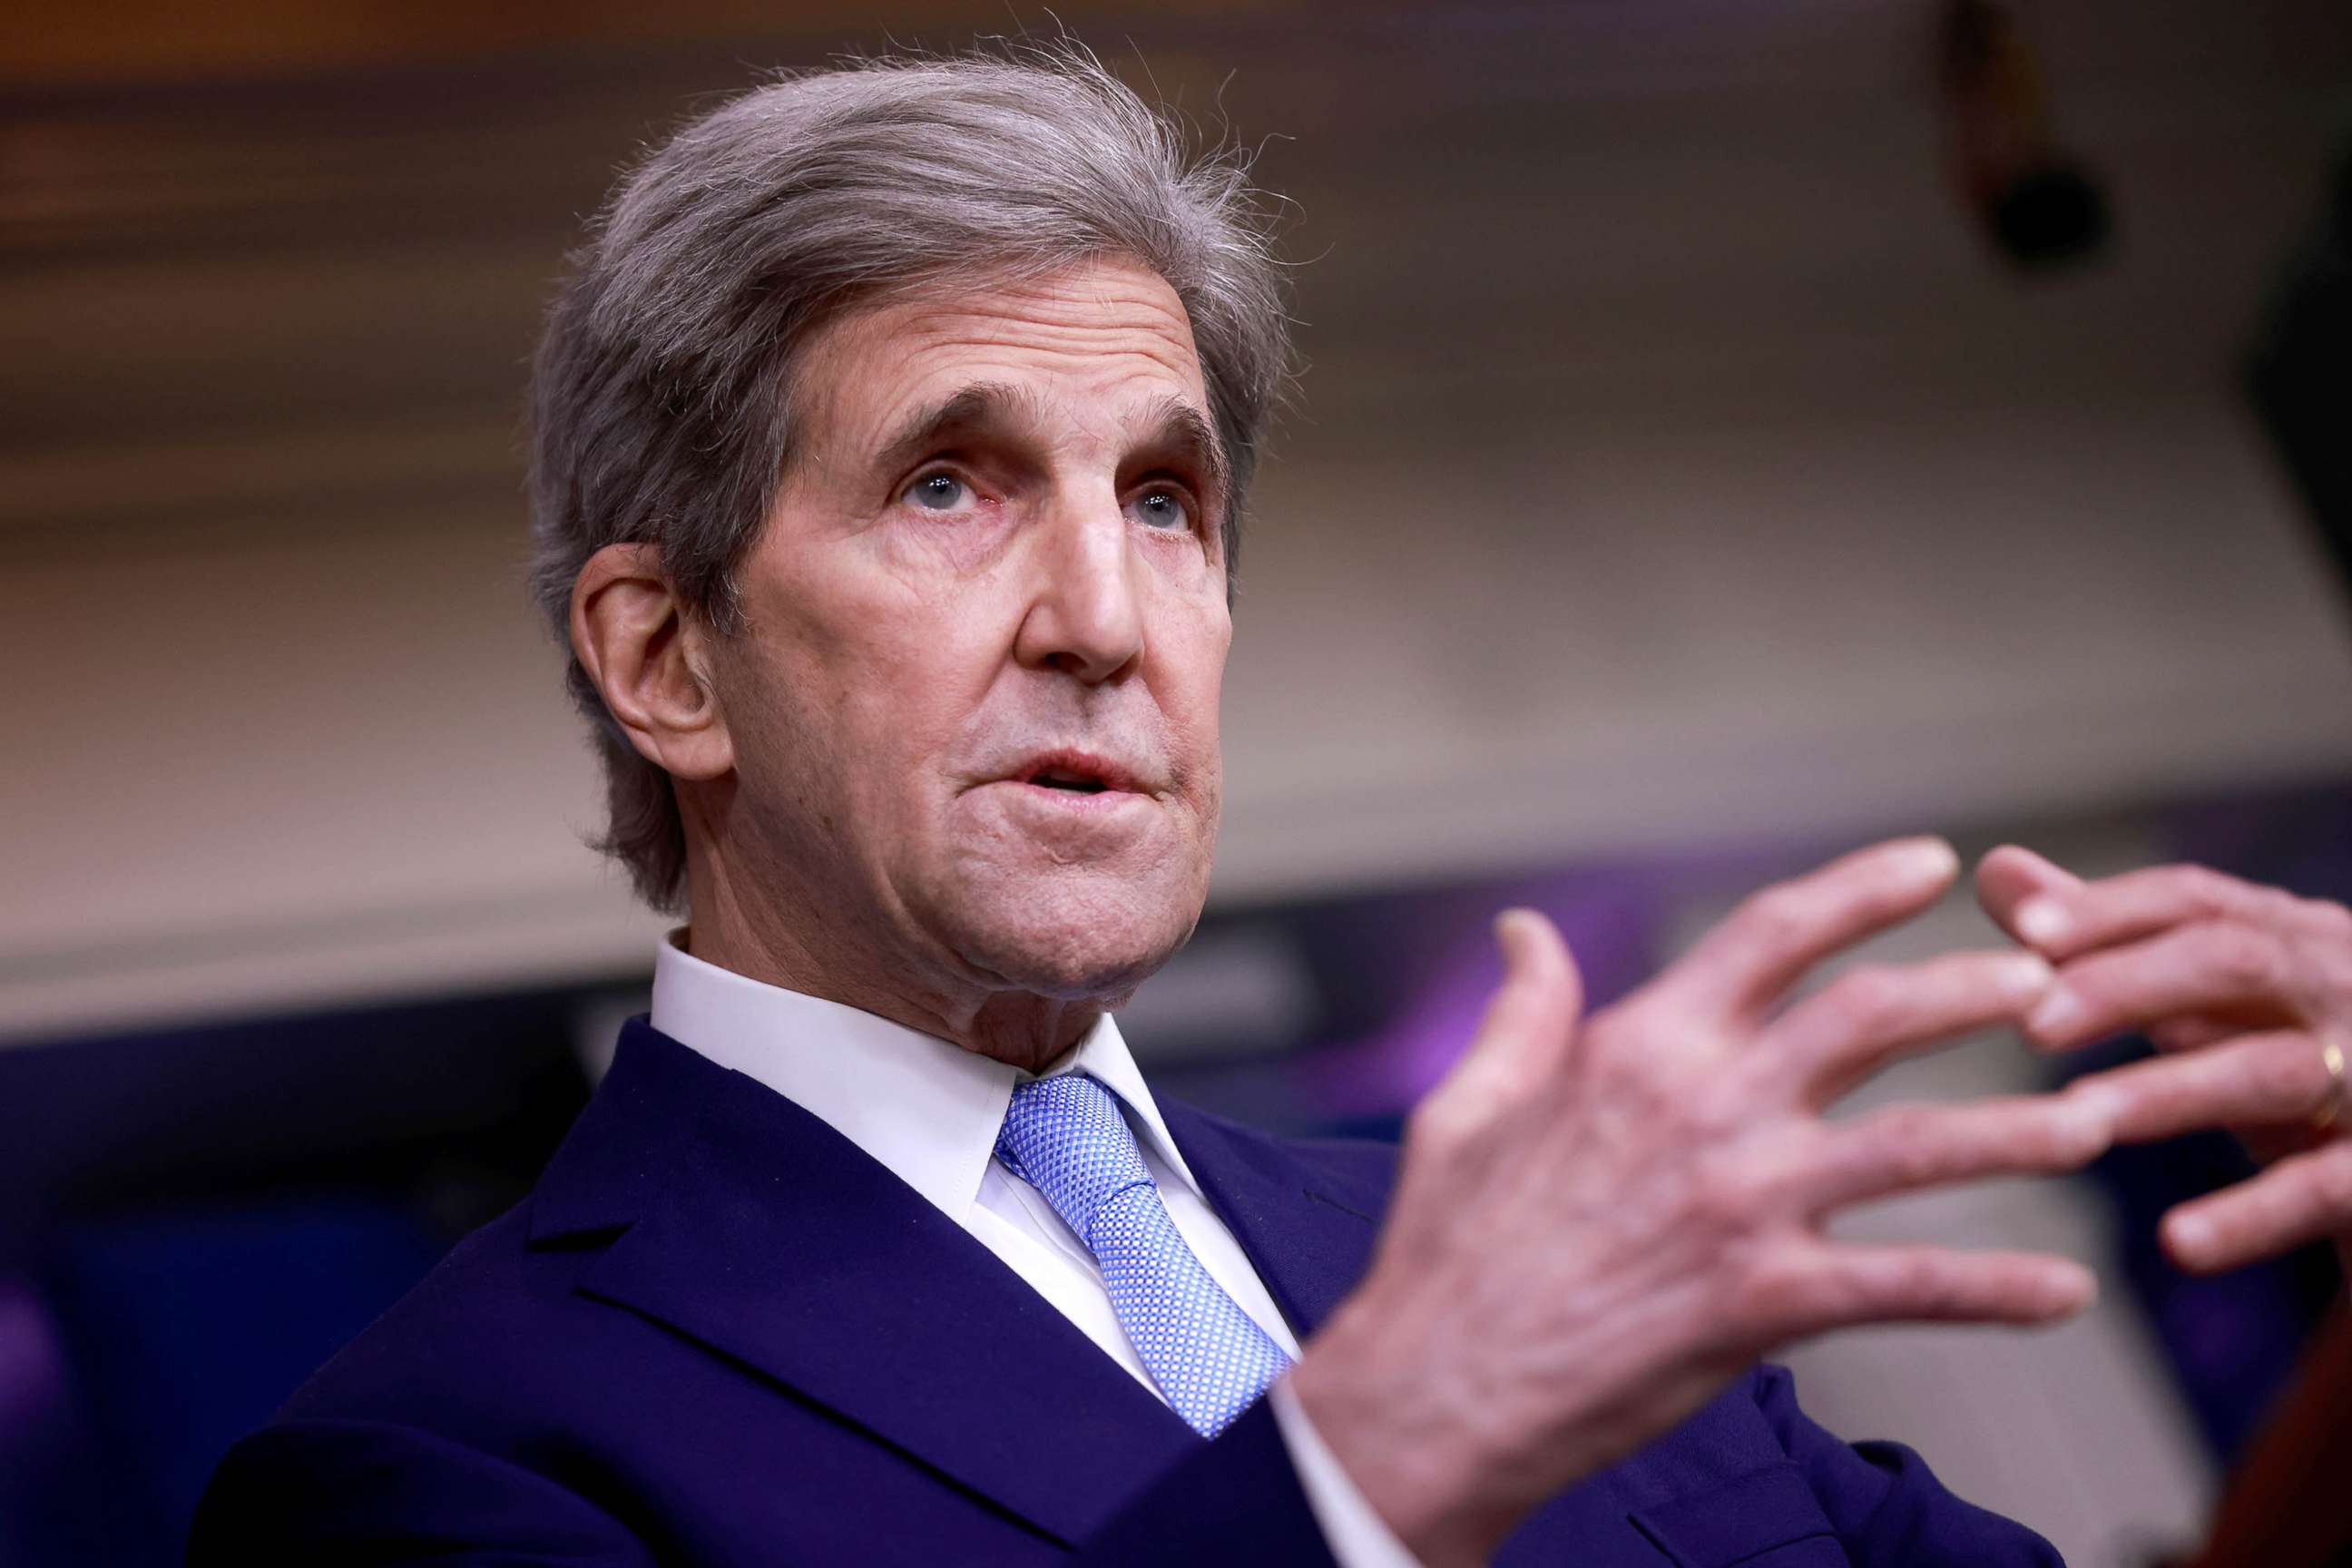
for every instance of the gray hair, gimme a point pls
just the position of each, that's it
(660, 401)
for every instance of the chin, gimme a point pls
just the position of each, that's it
(1097, 940)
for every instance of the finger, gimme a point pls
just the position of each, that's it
(2246, 971)
(2276, 1077)
(1867, 1017)
(1773, 937)
(2011, 874)
(1907, 1148)
(2059, 923)
(2191, 1032)
(1533, 1015)
(2303, 1198)
(1831, 1286)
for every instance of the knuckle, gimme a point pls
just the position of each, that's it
(2272, 906)
(1773, 916)
(1870, 997)
(2206, 888)
(2287, 1075)
(2331, 1181)
(2064, 1140)
(1933, 1287)
(1907, 1144)
(1900, 1127)
(2243, 959)
(2331, 918)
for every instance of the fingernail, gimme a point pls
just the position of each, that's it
(1929, 860)
(2093, 1121)
(2025, 974)
(2071, 1288)
(2041, 922)
(2191, 1236)
(2055, 1016)
(2104, 1103)
(2089, 1296)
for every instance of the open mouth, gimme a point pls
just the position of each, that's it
(1075, 773)
(1058, 778)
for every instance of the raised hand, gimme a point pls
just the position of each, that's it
(1599, 1223)
(2247, 991)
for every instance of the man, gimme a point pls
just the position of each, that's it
(892, 440)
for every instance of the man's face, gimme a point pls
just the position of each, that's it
(973, 704)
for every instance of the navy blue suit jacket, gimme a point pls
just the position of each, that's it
(720, 1334)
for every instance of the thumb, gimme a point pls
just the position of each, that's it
(1532, 1017)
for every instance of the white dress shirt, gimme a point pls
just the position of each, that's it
(930, 1111)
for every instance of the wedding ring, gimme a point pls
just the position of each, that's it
(2331, 1055)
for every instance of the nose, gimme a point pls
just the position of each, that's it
(1085, 613)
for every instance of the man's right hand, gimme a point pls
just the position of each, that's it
(1598, 1224)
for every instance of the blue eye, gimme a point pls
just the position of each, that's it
(1162, 510)
(938, 492)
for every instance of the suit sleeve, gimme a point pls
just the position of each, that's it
(1888, 1509)
(374, 1494)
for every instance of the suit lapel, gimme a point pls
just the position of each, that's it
(759, 1231)
(1308, 1225)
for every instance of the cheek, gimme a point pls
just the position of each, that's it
(936, 601)
(1193, 669)
(905, 676)
(915, 548)
(833, 700)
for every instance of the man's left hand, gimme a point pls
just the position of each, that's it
(2247, 991)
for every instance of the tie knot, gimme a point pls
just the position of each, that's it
(1065, 1136)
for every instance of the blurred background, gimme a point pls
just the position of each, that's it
(1734, 430)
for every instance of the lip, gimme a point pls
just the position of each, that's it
(1116, 780)
(1040, 802)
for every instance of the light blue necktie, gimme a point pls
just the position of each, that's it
(1065, 1136)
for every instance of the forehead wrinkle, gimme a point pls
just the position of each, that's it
(1069, 320)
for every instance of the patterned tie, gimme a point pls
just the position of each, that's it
(1065, 1136)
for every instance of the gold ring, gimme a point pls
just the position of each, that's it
(2331, 1056)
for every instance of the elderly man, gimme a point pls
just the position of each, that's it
(892, 441)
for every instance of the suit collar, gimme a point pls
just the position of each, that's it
(741, 1220)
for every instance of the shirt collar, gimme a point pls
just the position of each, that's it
(925, 1108)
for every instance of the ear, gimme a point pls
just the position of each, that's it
(648, 658)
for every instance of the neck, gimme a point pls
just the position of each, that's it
(751, 936)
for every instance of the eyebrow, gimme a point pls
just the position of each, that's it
(1183, 432)
(976, 407)
(1179, 431)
